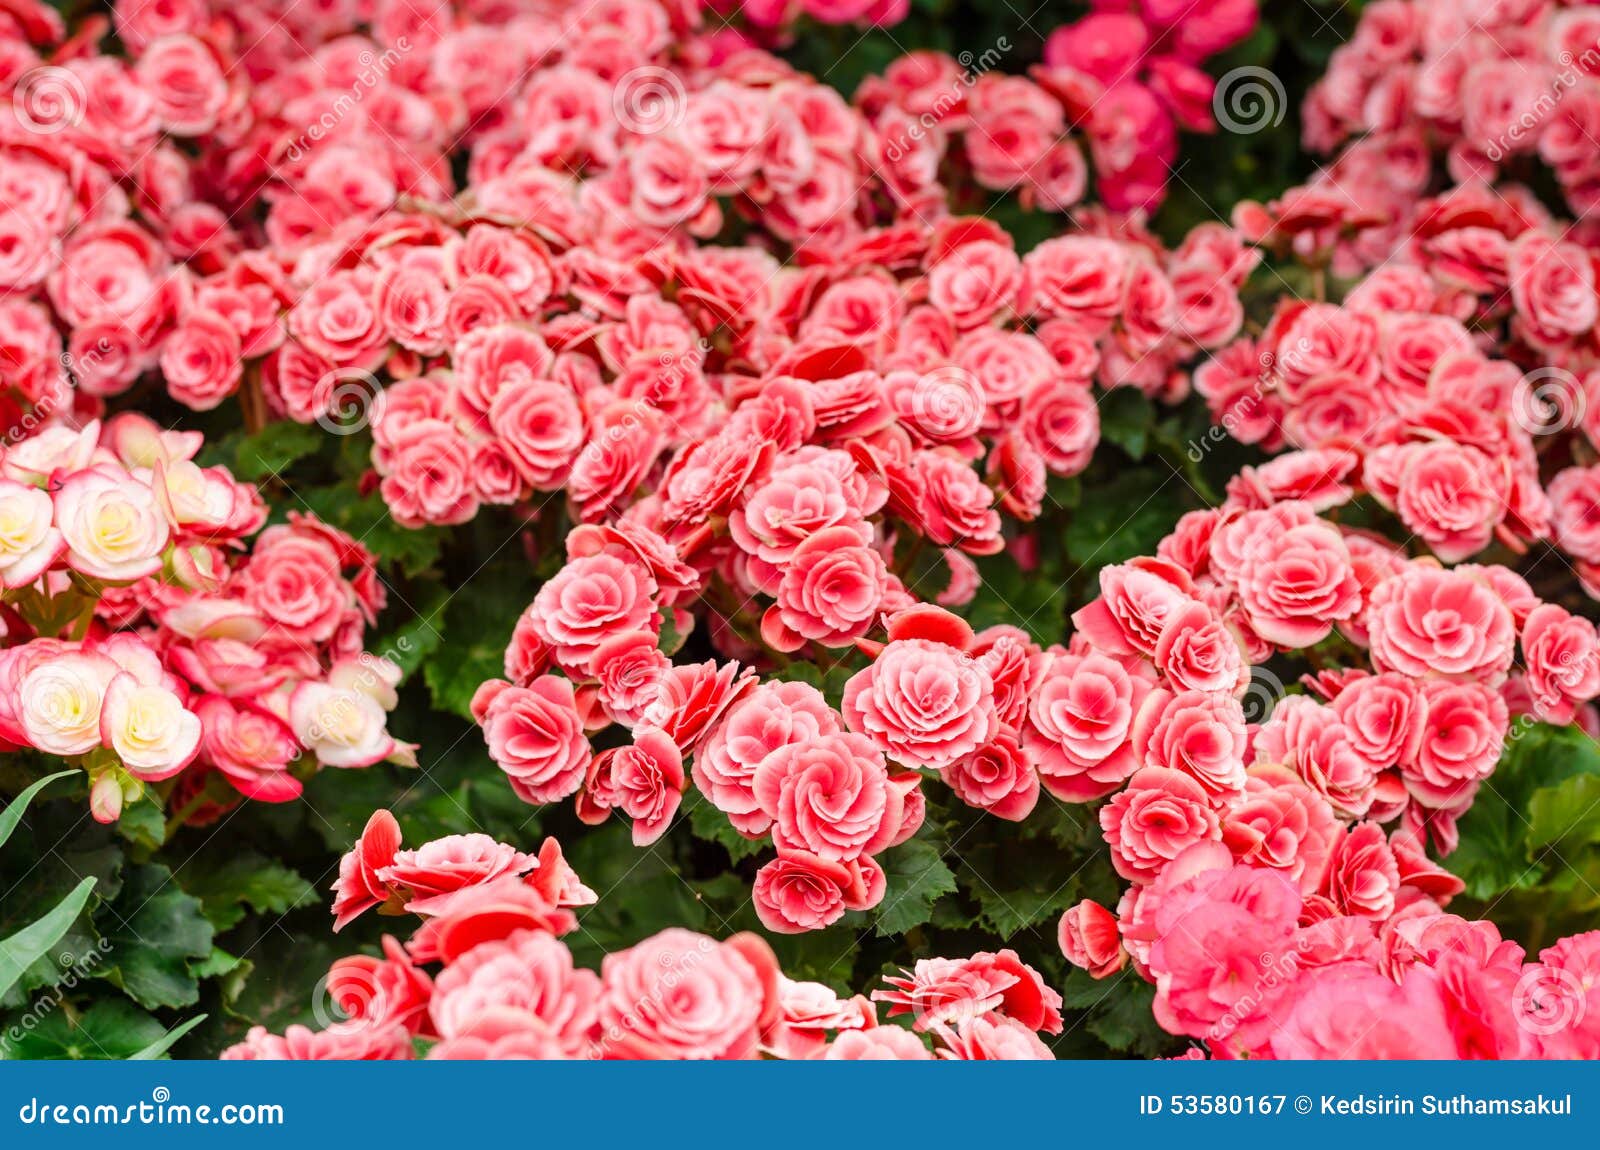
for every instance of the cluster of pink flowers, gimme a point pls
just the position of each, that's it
(1246, 962)
(1451, 656)
(721, 382)
(105, 224)
(1398, 405)
(1454, 382)
(486, 975)
(141, 637)
(1143, 705)
(601, 142)
(1272, 910)
(777, 512)
(1503, 87)
(1455, 386)
(1132, 71)
(776, 18)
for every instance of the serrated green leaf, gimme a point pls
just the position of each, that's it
(1530, 844)
(917, 877)
(367, 518)
(28, 945)
(143, 824)
(478, 624)
(1126, 517)
(269, 451)
(112, 1028)
(1017, 910)
(249, 880)
(712, 825)
(1566, 816)
(155, 930)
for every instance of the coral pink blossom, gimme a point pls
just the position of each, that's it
(1148, 824)
(997, 778)
(528, 976)
(359, 888)
(535, 735)
(829, 796)
(1428, 620)
(446, 865)
(683, 995)
(924, 704)
(1080, 724)
(1088, 938)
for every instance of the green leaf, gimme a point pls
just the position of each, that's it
(830, 682)
(269, 451)
(1125, 419)
(56, 850)
(163, 1044)
(654, 895)
(155, 931)
(249, 880)
(367, 518)
(286, 997)
(12, 815)
(1124, 518)
(416, 639)
(34, 941)
(917, 878)
(1565, 817)
(670, 641)
(1034, 601)
(228, 973)
(1530, 845)
(143, 824)
(712, 825)
(112, 1028)
(1018, 909)
(477, 626)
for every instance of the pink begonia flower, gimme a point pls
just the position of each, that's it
(996, 777)
(683, 995)
(1088, 938)
(359, 888)
(527, 974)
(535, 735)
(1428, 620)
(443, 866)
(922, 703)
(1161, 812)
(879, 1044)
(830, 796)
(646, 783)
(774, 715)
